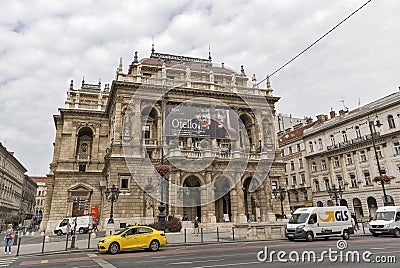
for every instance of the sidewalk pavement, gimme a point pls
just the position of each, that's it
(82, 243)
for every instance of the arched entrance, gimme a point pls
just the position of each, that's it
(343, 202)
(251, 201)
(191, 201)
(320, 204)
(358, 208)
(330, 203)
(372, 206)
(223, 203)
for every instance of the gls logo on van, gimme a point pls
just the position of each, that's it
(334, 216)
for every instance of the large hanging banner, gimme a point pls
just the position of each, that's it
(201, 122)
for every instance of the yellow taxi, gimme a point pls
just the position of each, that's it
(132, 237)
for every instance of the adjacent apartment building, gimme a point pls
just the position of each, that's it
(12, 182)
(339, 155)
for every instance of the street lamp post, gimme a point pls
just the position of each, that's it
(112, 196)
(371, 129)
(335, 193)
(161, 207)
(280, 194)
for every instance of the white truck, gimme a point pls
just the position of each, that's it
(314, 222)
(84, 224)
(387, 221)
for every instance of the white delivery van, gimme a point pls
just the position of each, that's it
(314, 222)
(84, 224)
(387, 221)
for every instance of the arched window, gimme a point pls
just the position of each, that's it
(84, 145)
(320, 145)
(311, 146)
(358, 132)
(344, 134)
(391, 121)
(332, 140)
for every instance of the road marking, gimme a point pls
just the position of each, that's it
(104, 263)
(191, 262)
(44, 261)
(229, 264)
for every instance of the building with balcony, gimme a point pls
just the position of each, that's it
(293, 153)
(339, 152)
(220, 144)
(12, 182)
(40, 197)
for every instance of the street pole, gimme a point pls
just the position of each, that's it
(370, 123)
(161, 207)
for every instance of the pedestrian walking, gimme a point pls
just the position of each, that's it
(95, 224)
(9, 237)
(196, 226)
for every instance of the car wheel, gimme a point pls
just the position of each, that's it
(309, 237)
(346, 235)
(81, 230)
(154, 245)
(291, 238)
(59, 232)
(396, 232)
(114, 248)
(374, 234)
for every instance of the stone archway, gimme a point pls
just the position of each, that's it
(343, 202)
(223, 211)
(251, 201)
(358, 208)
(191, 199)
(372, 206)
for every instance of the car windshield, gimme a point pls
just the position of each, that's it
(385, 216)
(120, 232)
(299, 218)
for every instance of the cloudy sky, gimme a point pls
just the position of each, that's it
(44, 44)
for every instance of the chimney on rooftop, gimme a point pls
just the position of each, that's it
(332, 114)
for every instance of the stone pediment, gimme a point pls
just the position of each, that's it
(80, 188)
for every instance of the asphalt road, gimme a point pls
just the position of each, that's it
(245, 254)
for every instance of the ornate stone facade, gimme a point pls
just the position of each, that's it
(109, 136)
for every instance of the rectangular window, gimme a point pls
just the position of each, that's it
(363, 157)
(323, 164)
(302, 179)
(340, 182)
(313, 167)
(349, 159)
(124, 183)
(336, 162)
(273, 185)
(296, 195)
(294, 180)
(378, 152)
(316, 183)
(353, 180)
(298, 147)
(292, 165)
(290, 150)
(396, 148)
(301, 163)
(305, 196)
(327, 186)
(367, 178)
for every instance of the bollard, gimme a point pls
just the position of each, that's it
(233, 233)
(88, 245)
(201, 230)
(44, 238)
(19, 243)
(185, 235)
(217, 235)
(66, 244)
